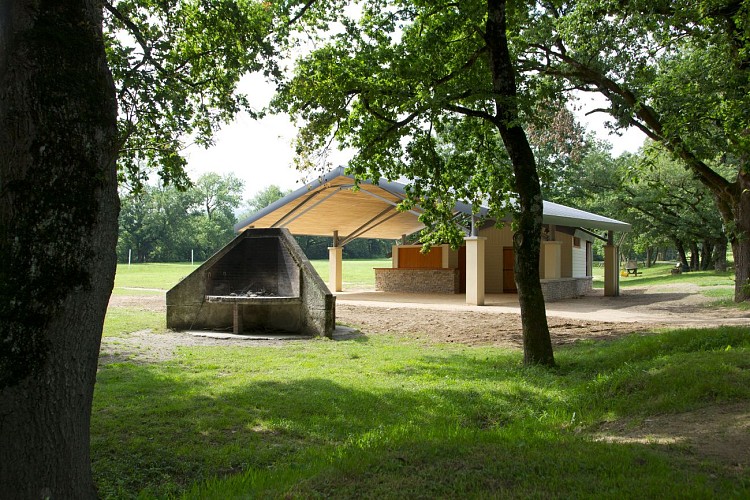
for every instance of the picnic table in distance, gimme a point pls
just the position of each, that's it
(632, 268)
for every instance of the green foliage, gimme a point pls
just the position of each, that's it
(263, 198)
(166, 224)
(679, 72)
(176, 67)
(664, 203)
(432, 92)
(408, 87)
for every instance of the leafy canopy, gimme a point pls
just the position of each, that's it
(408, 87)
(177, 65)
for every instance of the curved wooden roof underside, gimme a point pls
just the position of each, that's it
(331, 203)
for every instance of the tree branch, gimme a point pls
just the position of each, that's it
(147, 55)
(650, 124)
(301, 12)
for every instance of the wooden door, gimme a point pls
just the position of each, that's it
(509, 282)
(462, 269)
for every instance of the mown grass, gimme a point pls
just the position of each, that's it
(149, 279)
(379, 416)
(661, 274)
(356, 272)
(155, 278)
(123, 320)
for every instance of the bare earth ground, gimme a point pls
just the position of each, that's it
(720, 433)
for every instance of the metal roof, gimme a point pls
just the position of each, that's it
(332, 203)
(561, 215)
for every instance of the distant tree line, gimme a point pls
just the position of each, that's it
(166, 223)
(171, 224)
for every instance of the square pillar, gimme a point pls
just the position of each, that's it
(552, 258)
(611, 271)
(394, 256)
(335, 257)
(475, 270)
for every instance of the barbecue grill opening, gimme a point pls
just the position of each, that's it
(260, 281)
(256, 267)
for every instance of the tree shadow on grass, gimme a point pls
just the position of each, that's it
(160, 427)
(511, 463)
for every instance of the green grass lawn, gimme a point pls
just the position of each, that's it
(159, 277)
(379, 416)
(661, 274)
(356, 272)
(156, 276)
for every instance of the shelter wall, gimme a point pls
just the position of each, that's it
(566, 255)
(497, 238)
(573, 258)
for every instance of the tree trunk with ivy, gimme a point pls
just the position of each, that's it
(537, 345)
(58, 230)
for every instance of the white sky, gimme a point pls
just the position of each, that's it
(260, 151)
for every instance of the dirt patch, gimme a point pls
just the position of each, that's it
(155, 302)
(446, 319)
(146, 346)
(474, 328)
(720, 433)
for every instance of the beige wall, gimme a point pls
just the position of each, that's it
(452, 258)
(566, 254)
(550, 260)
(497, 238)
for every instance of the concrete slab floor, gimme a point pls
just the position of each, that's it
(656, 304)
(341, 332)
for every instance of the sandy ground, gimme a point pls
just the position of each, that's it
(719, 433)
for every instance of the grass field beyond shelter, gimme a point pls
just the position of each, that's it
(381, 416)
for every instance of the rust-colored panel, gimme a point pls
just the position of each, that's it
(412, 257)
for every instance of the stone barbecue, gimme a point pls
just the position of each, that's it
(260, 281)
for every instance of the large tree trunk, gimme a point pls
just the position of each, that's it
(58, 231)
(537, 345)
(741, 238)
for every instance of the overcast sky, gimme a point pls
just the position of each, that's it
(260, 151)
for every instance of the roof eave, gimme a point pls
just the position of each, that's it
(310, 186)
(587, 223)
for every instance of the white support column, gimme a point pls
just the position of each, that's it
(394, 256)
(611, 271)
(335, 278)
(475, 270)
